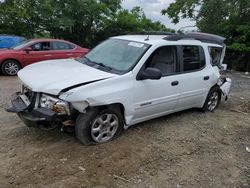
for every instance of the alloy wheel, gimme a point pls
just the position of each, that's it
(213, 101)
(104, 127)
(11, 68)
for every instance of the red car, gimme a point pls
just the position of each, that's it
(31, 51)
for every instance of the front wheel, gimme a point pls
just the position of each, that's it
(10, 67)
(213, 99)
(98, 126)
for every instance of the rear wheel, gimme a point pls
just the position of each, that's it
(99, 126)
(10, 67)
(213, 99)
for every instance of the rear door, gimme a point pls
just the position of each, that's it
(194, 77)
(63, 50)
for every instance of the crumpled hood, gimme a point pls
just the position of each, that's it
(53, 76)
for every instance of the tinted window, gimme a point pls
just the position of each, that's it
(62, 46)
(215, 54)
(193, 58)
(164, 59)
(41, 46)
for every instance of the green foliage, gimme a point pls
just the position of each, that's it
(84, 22)
(229, 18)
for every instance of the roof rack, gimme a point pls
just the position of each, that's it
(151, 33)
(203, 37)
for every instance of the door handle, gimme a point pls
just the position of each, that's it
(206, 77)
(174, 83)
(69, 54)
(47, 55)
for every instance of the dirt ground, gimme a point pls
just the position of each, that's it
(186, 149)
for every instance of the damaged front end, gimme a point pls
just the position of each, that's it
(41, 110)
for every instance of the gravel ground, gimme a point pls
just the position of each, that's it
(186, 149)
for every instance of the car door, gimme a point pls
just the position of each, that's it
(153, 98)
(38, 51)
(63, 50)
(195, 77)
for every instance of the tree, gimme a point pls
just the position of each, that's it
(21, 17)
(125, 21)
(229, 18)
(85, 22)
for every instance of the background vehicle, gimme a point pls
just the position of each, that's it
(123, 81)
(9, 41)
(31, 51)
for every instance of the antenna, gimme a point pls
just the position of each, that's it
(147, 38)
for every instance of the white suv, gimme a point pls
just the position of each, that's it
(123, 81)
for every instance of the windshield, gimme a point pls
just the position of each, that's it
(20, 45)
(117, 55)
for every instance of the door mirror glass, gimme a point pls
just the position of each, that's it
(149, 73)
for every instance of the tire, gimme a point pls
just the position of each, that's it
(212, 100)
(94, 126)
(10, 67)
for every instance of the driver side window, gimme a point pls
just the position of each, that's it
(164, 59)
(41, 46)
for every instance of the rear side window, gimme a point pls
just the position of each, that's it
(193, 58)
(62, 46)
(215, 55)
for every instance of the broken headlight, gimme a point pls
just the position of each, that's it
(57, 105)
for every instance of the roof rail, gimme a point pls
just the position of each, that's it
(203, 37)
(151, 33)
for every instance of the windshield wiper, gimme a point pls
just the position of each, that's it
(104, 66)
(83, 59)
(91, 63)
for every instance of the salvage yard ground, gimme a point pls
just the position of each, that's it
(186, 149)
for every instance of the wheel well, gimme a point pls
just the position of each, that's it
(11, 59)
(214, 86)
(217, 86)
(115, 106)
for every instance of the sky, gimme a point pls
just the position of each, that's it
(152, 9)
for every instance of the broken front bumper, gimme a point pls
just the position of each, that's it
(31, 117)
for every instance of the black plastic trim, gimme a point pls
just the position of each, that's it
(203, 37)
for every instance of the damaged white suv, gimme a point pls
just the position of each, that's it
(123, 81)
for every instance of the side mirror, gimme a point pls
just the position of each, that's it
(149, 73)
(28, 49)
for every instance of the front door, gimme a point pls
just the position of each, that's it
(40, 51)
(153, 98)
(62, 50)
